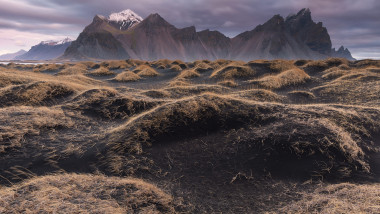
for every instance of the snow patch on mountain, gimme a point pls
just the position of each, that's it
(60, 42)
(125, 19)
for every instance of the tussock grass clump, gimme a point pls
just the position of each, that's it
(175, 68)
(316, 66)
(34, 94)
(136, 62)
(180, 63)
(233, 70)
(90, 64)
(26, 121)
(338, 198)
(301, 62)
(48, 67)
(333, 73)
(262, 95)
(281, 65)
(333, 62)
(76, 69)
(8, 77)
(127, 76)
(188, 74)
(102, 71)
(203, 67)
(178, 82)
(351, 87)
(284, 79)
(74, 193)
(366, 63)
(145, 71)
(108, 104)
(228, 83)
(162, 63)
(328, 135)
(191, 90)
(115, 64)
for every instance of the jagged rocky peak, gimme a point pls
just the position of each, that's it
(125, 19)
(276, 22)
(155, 21)
(342, 53)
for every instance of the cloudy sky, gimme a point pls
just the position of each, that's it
(352, 23)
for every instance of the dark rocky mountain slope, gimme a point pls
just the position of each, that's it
(295, 37)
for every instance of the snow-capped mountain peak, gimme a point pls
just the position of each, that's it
(60, 42)
(125, 19)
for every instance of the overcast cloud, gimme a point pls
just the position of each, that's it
(352, 23)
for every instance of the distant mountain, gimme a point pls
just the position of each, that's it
(125, 35)
(11, 56)
(46, 50)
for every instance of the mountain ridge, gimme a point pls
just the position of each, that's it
(46, 50)
(294, 37)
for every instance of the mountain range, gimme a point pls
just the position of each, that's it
(46, 50)
(11, 56)
(126, 35)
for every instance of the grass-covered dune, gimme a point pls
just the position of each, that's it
(190, 137)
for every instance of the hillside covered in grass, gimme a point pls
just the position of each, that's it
(167, 136)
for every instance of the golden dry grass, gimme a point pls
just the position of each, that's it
(175, 68)
(102, 71)
(228, 83)
(48, 67)
(188, 74)
(339, 198)
(286, 78)
(191, 132)
(145, 71)
(127, 76)
(178, 82)
(262, 95)
(202, 67)
(74, 70)
(233, 70)
(115, 64)
(75, 193)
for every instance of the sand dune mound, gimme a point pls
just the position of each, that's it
(259, 95)
(76, 69)
(34, 94)
(262, 128)
(284, 79)
(127, 76)
(339, 198)
(350, 87)
(74, 193)
(102, 71)
(48, 68)
(188, 74)
(185, 91)
(233, 70)
(108, 104)
(145, 71)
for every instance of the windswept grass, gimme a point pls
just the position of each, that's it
(127, 76)
(188, 74)
(74, 70)
(102, 71)
(338, 198)
(233, 70)
(287, 78)
(75, 193)
(145, 71)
